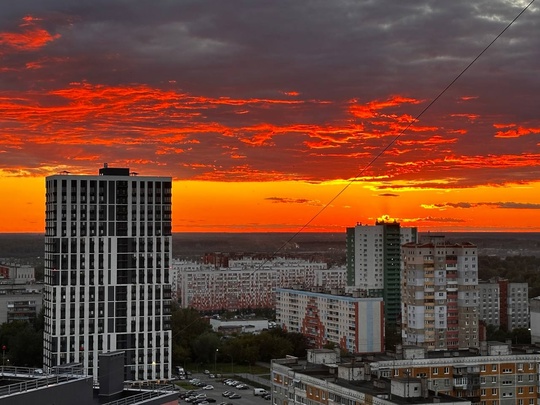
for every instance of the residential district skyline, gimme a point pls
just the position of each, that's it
(262, 113)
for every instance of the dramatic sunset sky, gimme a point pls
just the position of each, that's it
(264, 111)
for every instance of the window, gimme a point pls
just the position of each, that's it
(435, 370)
(447, 370)
(493, 367)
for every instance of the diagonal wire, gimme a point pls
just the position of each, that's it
(383, 150)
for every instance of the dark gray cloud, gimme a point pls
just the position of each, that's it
(285, 200)
(328, 56)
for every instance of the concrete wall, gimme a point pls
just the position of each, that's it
(73, 392)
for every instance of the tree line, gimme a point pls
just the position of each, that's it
(194, 341)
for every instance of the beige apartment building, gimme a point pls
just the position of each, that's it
(440, 294)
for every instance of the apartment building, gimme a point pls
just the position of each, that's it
(248, 282)
(502, 303)
(489, 303)
(440, 294)
(373, 262)
(107, 258)
(517, 308)
(355, 324)
(535, 319)
(494, 375)
(324, 379)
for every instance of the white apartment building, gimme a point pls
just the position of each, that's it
(535, 320)
(352, 323)
(489, 306)
(107, 258)
(373, 261)
(248, 282)
(440, 295)
(518, 306)
(503, 303)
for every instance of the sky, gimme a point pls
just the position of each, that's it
(279, 116)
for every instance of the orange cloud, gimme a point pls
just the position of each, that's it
(501, 205)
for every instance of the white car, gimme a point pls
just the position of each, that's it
(208, 387)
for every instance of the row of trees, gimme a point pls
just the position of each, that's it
(195, 342)
(22, 342)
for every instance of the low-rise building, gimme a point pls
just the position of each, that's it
(17, 273)
(496, 374)
(69, 384)
(20, 302)
(235, 326)
(326, 380)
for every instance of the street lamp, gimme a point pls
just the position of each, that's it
(215, 360)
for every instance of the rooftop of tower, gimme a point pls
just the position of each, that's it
(113, 171)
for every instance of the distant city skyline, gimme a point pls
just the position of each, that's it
(262, 112)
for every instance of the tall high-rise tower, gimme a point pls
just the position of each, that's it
(107, 286)
(374, 262)
(440, 294)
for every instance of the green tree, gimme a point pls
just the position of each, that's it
(521, 336)
(187, 326)
(23, 342)
(204, 347)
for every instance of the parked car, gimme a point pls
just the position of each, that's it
(235, 396)
(208, 387)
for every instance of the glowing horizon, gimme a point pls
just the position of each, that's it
(260, 131)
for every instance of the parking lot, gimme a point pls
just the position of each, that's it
(216, 393)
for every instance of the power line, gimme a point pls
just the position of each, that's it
(411, 123)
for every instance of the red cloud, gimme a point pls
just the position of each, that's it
(517, 132)
(30, 39)
(370, 109)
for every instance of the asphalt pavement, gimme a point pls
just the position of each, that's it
(247, 397)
